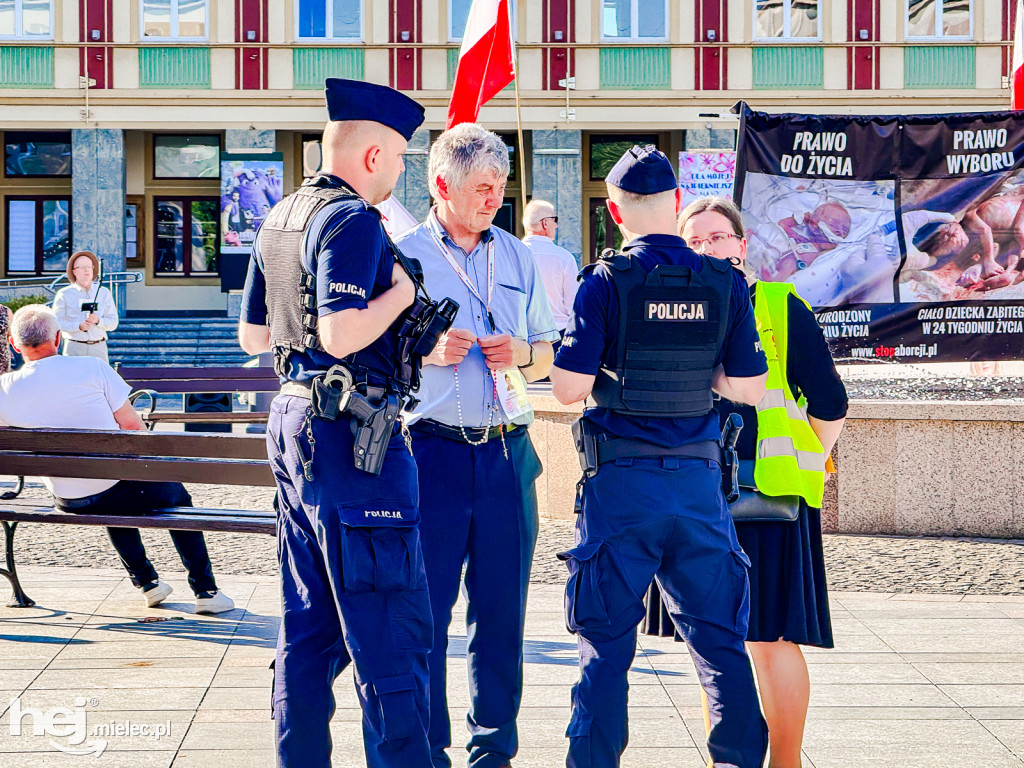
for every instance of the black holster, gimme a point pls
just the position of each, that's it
(730, 461)
(585, 438)
(375, 412)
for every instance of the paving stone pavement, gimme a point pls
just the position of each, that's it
(854, 563)
(918, 681)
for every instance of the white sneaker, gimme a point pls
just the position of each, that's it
(213, 602)
(157, 593)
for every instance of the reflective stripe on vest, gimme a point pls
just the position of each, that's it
(790, 458)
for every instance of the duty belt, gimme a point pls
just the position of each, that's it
(597, 448)
(621, 448)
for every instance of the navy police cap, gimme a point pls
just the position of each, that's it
(643, 171)
(356, 100)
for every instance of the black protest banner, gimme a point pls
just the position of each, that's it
(904, 233)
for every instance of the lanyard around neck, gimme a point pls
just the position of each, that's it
(464, 277)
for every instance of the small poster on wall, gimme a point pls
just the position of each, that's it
(703, 174)
(250, 185)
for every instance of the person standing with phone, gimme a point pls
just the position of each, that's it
(85, 309)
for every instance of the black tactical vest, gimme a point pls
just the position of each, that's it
(672, 322)
(291, 290)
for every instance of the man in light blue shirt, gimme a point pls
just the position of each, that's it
(476, 463)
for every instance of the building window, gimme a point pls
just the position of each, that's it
(174, 19)
(26, 19)
(37, 153)
(939, 18)
(606, 151)
(458, 16)
(625, 20)
(329, 19)
(38, 234)
(186, 157)
(187, 233)
(787, 19)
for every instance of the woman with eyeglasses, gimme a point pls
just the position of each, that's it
(788, 597)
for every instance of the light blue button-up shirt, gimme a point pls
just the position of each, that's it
(519, 307)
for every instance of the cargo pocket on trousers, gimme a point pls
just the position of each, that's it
(379, 547)
(579, 725)
(741, 587)
(399, 715)
(597, 595)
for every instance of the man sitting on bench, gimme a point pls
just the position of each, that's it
(55, 392)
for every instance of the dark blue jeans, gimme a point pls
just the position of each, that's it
(134, 497)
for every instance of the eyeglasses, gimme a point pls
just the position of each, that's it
(553, 218)
(715, 239)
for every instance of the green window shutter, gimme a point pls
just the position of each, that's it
(29, 66)
(781, 66)
(938, 66)
(174, 67)
(453, 63)
(311, 66)
(636, 69)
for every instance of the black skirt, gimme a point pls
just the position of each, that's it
(788, 593)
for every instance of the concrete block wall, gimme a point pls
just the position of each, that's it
(904, 468)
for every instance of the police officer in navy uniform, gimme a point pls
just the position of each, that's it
(655, 329)
(326, 294)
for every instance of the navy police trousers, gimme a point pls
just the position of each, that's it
(661, 518)
(353, 589)
(479, 510)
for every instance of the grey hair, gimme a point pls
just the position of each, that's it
(34, 325)
(536, 211)
(464, 150)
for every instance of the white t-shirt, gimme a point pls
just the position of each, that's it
(64, 393)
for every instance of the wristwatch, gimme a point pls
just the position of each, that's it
(533, 355)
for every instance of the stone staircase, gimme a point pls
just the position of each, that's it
(176, 340)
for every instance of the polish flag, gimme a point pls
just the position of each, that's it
(485, 60)
(1017, 67)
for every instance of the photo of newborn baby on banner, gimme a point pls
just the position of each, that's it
(903, 232)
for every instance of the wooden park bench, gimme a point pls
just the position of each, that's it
(217, 459)
(170, 380)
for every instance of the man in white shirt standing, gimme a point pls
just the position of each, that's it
(55, 392)
(558, 267)
(86, 312)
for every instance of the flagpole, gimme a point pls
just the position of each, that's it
(519, 114)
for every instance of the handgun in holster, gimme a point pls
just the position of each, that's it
(730, 461)
(375, 414)
(585, 439)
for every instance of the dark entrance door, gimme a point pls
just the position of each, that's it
(603, 231)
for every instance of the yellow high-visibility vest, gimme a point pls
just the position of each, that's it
(790, 458)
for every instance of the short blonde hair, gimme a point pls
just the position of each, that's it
(633, 201)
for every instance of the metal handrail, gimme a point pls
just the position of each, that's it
(53, 284)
